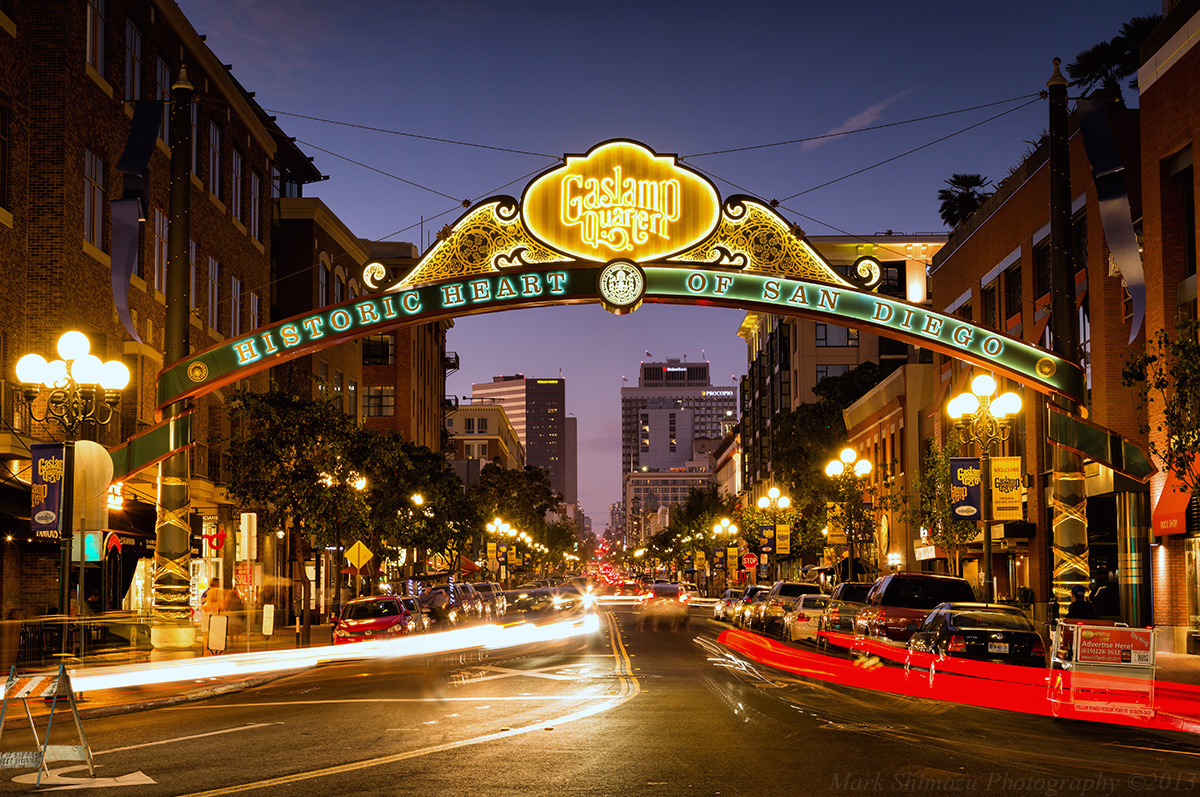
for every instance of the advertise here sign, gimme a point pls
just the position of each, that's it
(1113, 645)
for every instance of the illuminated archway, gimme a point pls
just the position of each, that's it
(618, 226)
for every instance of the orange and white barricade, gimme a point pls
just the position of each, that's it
(40, 687)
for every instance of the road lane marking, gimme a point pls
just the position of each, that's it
(203, 707)
(186, 738)
(630, 690)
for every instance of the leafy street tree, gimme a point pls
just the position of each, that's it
(521, 498)
(1167, 377)
(1101, 68)
(964, 196)
(289, 459)
(931, 510)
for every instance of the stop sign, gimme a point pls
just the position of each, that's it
(749, 561)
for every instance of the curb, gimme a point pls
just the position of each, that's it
(192, 697)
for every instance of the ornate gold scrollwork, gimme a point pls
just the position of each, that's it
(753, 237)
(488, 239)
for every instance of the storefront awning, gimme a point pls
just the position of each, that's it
(1170, 513)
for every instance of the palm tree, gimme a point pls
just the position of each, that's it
(962, 198)
(1101, 68)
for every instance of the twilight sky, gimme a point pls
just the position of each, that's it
(682, 77)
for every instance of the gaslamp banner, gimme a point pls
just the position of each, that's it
(1007, 481)
(965, 483)
(46, 490)
(733, 558)
(783, 539)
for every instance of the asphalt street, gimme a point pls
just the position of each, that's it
(628, 712)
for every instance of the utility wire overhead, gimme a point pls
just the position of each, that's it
(824, 136)
(414, 135)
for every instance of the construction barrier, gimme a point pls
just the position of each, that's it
(43, 687)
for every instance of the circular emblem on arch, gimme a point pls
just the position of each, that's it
(197, 371)
(1046, 368)
(621, 285)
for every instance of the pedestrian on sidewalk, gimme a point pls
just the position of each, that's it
(212, 601)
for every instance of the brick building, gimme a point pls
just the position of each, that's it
(1169, 99)
(72, 71)
(995, 272)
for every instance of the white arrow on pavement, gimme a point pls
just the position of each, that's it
(57, 780)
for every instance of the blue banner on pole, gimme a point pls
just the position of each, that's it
(46, 490)
(767, 534)
(966, 481)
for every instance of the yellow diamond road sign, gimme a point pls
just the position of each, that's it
(358, 555)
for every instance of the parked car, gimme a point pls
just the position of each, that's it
(844, 602)
(628, 588)
(898, 603)
(418, 615)
(744, 603)
(663, 603)
(768, 614)
(800, 622)
(368, 619)
(980, 631)
(750, 607)
(723, 608)
(463, 604)
(492, 595)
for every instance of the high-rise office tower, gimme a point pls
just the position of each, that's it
(537, 409)
(674, 403)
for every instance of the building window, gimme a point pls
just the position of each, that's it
(988, 302)
(322, 377)
(353, 396)
(162, 93)
(825, 370)
(830, 335)
(323, 285)
(469, 425)
(379, 401)
(338, 383)
(5, 156)
(160, 251)
(214, 160)
(214, 276)
(133, 62)
(235, 188)
(255, 206)
(255, 312)
(95, 34)
(93, 198)
(1041, 268)
(379, 349)
(482, 426)
(192, 275)
(339, 289)
(274, 181)
(235, 306)
(1012, 292)
(195, 140)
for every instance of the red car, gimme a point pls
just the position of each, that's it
(898, 603)
(367, 619)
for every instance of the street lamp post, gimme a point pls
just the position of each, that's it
(984, 420)
(848, 466)
(773, 503)
(81, 389)
(725, 528)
